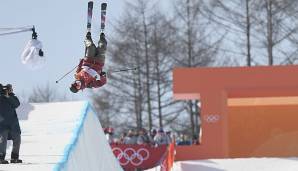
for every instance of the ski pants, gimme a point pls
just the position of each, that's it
(97, 53)
(16, 139)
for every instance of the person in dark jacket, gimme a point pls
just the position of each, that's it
(9, 124)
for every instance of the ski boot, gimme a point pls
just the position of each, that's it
(16, 161)
(88, 40)
(2, 159)
(15, 158)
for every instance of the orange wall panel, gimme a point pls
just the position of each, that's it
(241, 130)
(263, 131)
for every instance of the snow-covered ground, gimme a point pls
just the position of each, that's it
(62, 136)
(239, 164)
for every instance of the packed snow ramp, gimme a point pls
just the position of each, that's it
(64, 136)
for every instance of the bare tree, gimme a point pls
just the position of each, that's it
(41, 94)
(162, 42)
(108, 108)
(278, 27)
(136, 45)
(235, 16)
(147, 41)
(129, 87)
(196, 46)
(269, 28)
(144, 7)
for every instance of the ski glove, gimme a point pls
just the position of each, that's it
(103, 74)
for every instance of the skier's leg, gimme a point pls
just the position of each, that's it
(3, 144)
(101, 48)
(16, 139)
(90, 46)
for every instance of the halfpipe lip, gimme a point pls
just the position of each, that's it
(74, 139)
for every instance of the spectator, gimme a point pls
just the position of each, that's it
(143, 137)
(122, 137)
(184, 140)
(131, 138)
(169, 137)
(105, 130)
(109, 135)
(153, 133)
(9, 124)
(195, 140)
(161, 138)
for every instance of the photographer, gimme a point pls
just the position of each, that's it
(9, 124)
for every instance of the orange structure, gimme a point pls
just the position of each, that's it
(245, 111)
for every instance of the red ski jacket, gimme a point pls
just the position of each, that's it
(87, 80)
(96, 65)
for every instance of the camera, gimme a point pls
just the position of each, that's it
(4, 89)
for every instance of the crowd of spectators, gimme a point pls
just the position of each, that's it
(139, 136)
(183, 139)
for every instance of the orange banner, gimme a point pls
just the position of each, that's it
(168, 161)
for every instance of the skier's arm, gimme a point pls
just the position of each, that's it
(99, 83)
(13, 100)
(80, 66)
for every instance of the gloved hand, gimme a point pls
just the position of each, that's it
(103, 74)
(76, 76)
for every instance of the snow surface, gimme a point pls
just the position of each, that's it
(61, 136)
(238, 164)
(241, 164)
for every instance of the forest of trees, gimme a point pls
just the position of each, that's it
(190, 33)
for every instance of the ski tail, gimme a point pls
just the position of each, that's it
(89, 15)
(103, 17)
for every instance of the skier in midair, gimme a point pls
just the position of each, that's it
(89, 73)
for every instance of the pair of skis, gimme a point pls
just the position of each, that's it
(103, 12)
(89, 21)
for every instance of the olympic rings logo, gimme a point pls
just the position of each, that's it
(130, 155)
(211, 118)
